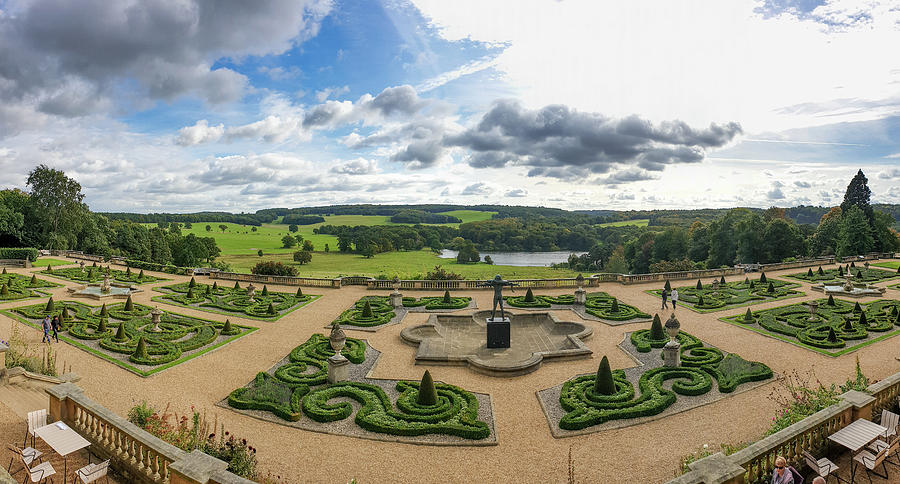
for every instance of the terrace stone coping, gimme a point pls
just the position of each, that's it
(717, 468)
(198, 466)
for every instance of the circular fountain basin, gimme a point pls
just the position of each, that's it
(839, 290)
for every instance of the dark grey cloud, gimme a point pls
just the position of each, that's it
(420, 154)
(560, 142)
(516, 192)
(629, 175)
(479, 189)
(397, 100)
(70, 58)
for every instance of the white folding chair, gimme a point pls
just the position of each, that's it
(822, 467)
(890, 420)
(29, 454)
(37, 473)
(871, 462)
(36, 420)
(92, 472)
(888, 448)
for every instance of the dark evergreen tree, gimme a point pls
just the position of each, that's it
(748, 316)
(699, 285)
(604, 384)
(447, 299)
(668, 286)
(857, 195)
(529, 296)
(427, 393)
(656, 330)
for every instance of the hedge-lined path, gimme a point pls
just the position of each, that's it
(526, 451)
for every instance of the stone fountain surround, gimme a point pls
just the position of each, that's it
(423, 355)
(73, 291)
(872, 291)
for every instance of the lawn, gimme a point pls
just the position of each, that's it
(894, 264)
(640, 222)
(470, 215)
(406, 265)
(44, 262)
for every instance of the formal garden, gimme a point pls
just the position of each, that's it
(373, 312)
(415, 411)
(94, 274)
(245, 302)
(719, 295)
(139, 338)
(599, 305)
(607, 399)
(859, 274)
(16, 286)
(829, 326)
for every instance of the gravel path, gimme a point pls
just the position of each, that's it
(527, 452)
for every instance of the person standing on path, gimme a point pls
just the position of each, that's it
(45, 325)
(665, 295)
(55, 324)
(674, 297)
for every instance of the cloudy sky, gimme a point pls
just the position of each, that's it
(185, 105)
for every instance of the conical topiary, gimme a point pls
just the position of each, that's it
(863, 321)
(192, 283)
(90, 274)
(140, 352)
(894, 311)
(128, 270)
(832, 337)
(50, 306)
(529, 296)
(604, 384)
(830, 300)
(746, 280)
(120, 333)
(748, 316)
(129, 304)
(699, 285)
(299, 292)
(898, 269)
(33, 280)
(809, 272)
(859, 274)
(668, 286)
(848, 325)
(190, 293)
(821, 271)
(101, 328)
(236, 285)
(762, 278)
(367, 310)
(265, 291)
(215, 286)
(103, 311)
(615, 306)
(857, 308)
(771, 287)
(427, 393)
(853, 264)
(141, 274)
(65, 314)
(4, 271)
(4, 291)
(752, 284)
(446, 299)
(656, 330)
(270, 309)
(699, 299)
(49, 268)
(840, 271)
(228, 328)
(722, 280)
(208, 290)
(94, 264)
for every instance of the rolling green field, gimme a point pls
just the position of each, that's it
(640, 222)
(890, 264)
(45, 261)
(406, 265)
(469, 215)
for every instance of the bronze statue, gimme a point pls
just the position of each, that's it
(497, 283)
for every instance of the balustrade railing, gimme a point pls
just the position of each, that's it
(282, 280)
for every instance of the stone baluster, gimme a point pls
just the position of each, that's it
(155, 468)
(132, 451)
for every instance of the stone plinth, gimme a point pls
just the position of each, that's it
(672, 354)
(580, 296)
(338, 368)
(497, 332)
(396, 300)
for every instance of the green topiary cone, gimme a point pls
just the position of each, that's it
(746, 280)
(227, 329)
(529, 296)
(748, 316)
(832, 337)
(859, 274)
(771, 287)
(65, 314)
(236, 285)
(656, 330)
(830, 300)
(33, 280)
(446, 299)
(4, 270)
(215, 286)
(49, 268)
(140, 352)
(190, 293)
(141, 274)
(699, 285)
(101, 328)
(120, 333)
(809, 272)
(752, 284)
(668, 286)
(427, 393)
(840, 271)
(90, 273)
(853, 264)
(208, 290)
(848, 325)
(94, 264)
(192, 283)
(103, 311)
(699, 299)
(857, 308)
(299, 292)
(762, 278)
(367, 310)
(862, 319)
(604, 384)
(894, 311)
(129, 304)
(50, 306)
(615, 306)
(270, 309)
(4, 291)
(821, 271)
(128, 270)
(722, 280)
(265, 291)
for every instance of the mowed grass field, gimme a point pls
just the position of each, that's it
(639, 222)
(890, 264)
(406, 265)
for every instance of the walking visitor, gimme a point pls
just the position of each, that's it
(55, 324)
(45, 325)
(674, 298)
(665, 295)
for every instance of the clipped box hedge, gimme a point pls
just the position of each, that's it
(29, 253)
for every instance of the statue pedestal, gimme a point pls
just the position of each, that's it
(396, 300)
(580, 296)
(672, 354)
(497, 332)
(338, 368)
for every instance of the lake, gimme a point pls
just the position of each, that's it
(520, 259)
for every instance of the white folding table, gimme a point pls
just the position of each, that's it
(62, 439)
(856, 436)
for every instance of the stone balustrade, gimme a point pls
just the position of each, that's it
(134, 453)
(282, 280)
(23, 263)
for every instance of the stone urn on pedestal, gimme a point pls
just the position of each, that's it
(580, 293)
(813, 308)
(672, 350)
(338, 365)
(251, 291)
(155, 317)
(396, 297)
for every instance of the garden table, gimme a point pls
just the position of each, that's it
(62, 439)
(856, 436)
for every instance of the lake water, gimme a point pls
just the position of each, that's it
(520, 259)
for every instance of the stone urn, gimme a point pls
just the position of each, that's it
(337, 339)
(813, 308)
(155, 318)
(395, 297)
(672, 350)
(251, 291)
(395, 283)
(672, 326)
